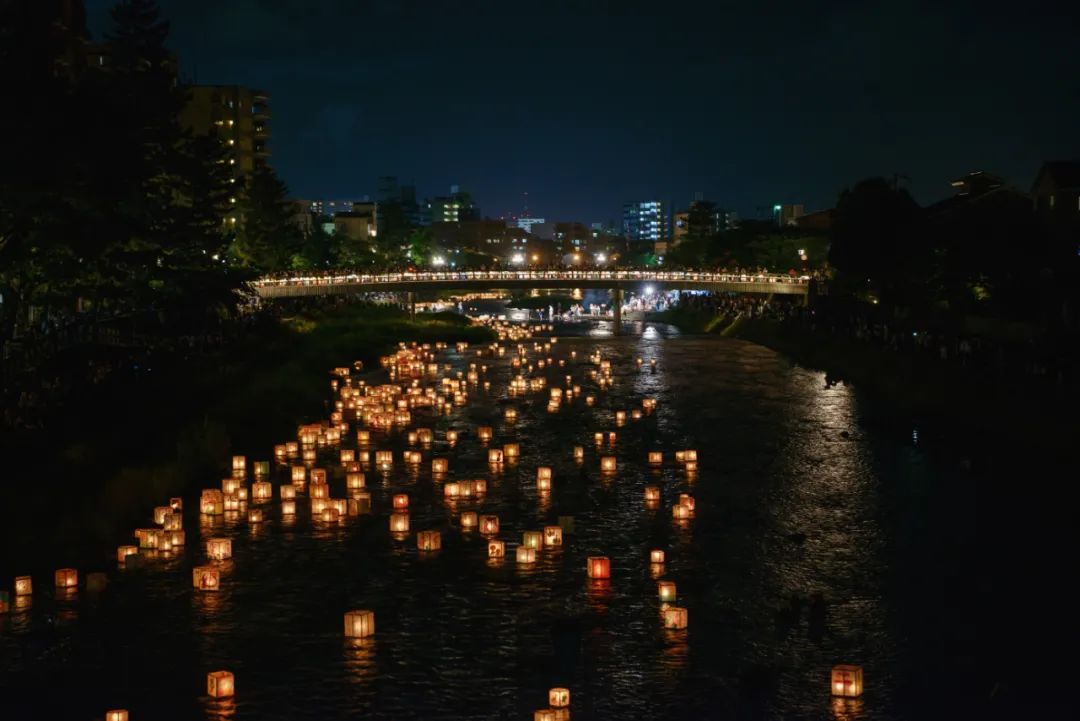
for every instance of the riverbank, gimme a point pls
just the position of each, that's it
(103, 465)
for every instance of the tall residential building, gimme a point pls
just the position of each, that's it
(646, 221)
(238, 116)
(453, 208)
(701, 212)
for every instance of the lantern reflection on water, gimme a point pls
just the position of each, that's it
(220, 684)
(206, 578)
(559, 697)
(847, 681)
(359, 624)
(218, 549)
(428, 541)
(122, 552)
(553, 535)
(675, 618)
(526, 555)
(489, 525)
(599, 567)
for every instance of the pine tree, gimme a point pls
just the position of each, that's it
(267, 237)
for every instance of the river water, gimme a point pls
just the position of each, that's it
(814, 542)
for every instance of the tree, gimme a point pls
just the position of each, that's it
(267, 235)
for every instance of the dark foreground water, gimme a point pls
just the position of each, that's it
(817, 540)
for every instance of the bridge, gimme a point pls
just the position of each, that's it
(301, 285)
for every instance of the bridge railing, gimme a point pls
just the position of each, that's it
(674, 276)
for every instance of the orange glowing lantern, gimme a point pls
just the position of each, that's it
(330, 515)
(308, 455)
(452, 490)
(607, 464)
(122, 552)
(553, 535)
(318, 475)
(218, 549)
(495, 456)
(288, 508)
(681, 513)
(599, 567)
(511, 415)
(652, 494)
(280, 453)
(159, 514)
(384, 460)
(220, 684)
(579, 454)
(347, 455)
(685, 499)
(511, 451)
(468, 520)
(176, 539)
(496, 549)
(656, 458)
(428, 541)
(399, 522)
(255, 515)
(545, 714)
(847, 681)
(401, 501)
(359, 624)
(212, 502)
(239, 463)
(532, 539)
(318, 505)
(299, 474)
(262, 468)
(559, 697)
(439, 466)
(526, 555)
(320, 490)
(489, 525)
(66, 578)
(451, 437)
(599, 438)
(675, 618)
(24, 586)
(206, 578)
(262, 491)
(116, 715)
(177, 504)
(484, 433)
(666, 591)
(620, 418)
(479, 486)
(287, 492)
(363, 438)
(656, 556)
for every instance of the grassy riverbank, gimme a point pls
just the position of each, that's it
(104, 466)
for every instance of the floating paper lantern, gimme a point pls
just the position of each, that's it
(218, 549)
(599, 567)
(318, 475)
(176, 539)
(255, 515)
(579, 454)
(675, 617)
(607, 464)
(384, 460)
(399, 522)
(847, 681)
(511, 451)
(292, 449)
(122, 552)
(666, 591)
(359, 624)
(599, 438)
(347, 455)
(685, 499)
(620, 418)
(652, 494)
(262, 491)
(220, 684)
(116, 715)
(287, 492)
(489, 525)
(543, 485)
(428, 541)
(288, 508)
(280, 453)
(468, 520)
(553, 535)
(318, 505)
(484, 433)
(559, 697)
(425, 435)
(320, 490)
(363, 438)
(206, 578)
(543, 473)
(681, 513)
(231, 485)
(452, 490)
(510, 415)
(262, 468)
(410, 438)
(159, 514)
(495, 456)
(532, 539)
(451, 437)
(241, 494)
(177, 504)
(232, 502)
(24, 586)
(589, 400)
(212, 502)
(656, 458)
(544, 714)
(308, 455)
(66, 577)
(526, 555)
(496, 549)
(239, 463)
(690, 467)
(656, 556)
(148, 537)
(330, 514)
(299, 474)
(439, 465)
(401, 501)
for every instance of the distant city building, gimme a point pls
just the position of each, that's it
(820, 220)
(646, 222)
(359, 223)
(571, 238)
(238, 116)
(713, 220)
(1056, 195)
(454, 208)
(977, 183)
(526, 224)
(788, 214)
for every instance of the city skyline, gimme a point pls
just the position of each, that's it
(555, 112)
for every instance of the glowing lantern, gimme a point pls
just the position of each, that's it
(484, 433)
(320, 490)
(241, 494)
(359, 624)
(287, 493)
(262, 491)
(220, 684)
(690, 467)
(428, 541)
(496, 549)
(66, 578)
(526, 555)
(495, 456)
(292, 449)
(255, 515)
(318, 475)
(468, 520)
(232, 502)
(666, 591)
(24, 586)
(299, 474)
(656, 458)
(116, 715)
(681, 513)
(451, 437)
(675, 617)
(148, 537)
(687, 500)
(308, 455)
(511, 451)
(607, 464)
(425, 435)
(330, 514)
(553, 535)
(620, 418)
(579, 454)
(511, 415)
(173, 521)
(559, 697)
(532, 539)
(347, 455)
(847, 681)
(452, 490)
(177, 504)
(262, 468)
(545, 714)
(401, 501)
(159, 514)
(652, 494)
(384, 460)
(288, 508)
(399, 522)
(218, 549)
(439, 465)
(176, 539)
(479, 486)
(318, 505)
(656, 556)
(599, 438)
(363, 438)
(410, 438)
(212, 502)
(280, 453)
(489, 525)
(122, 552)
(599, 567)
(611, 438)
(206, 578)
(543, 484)
(239, 463)
(589, 400)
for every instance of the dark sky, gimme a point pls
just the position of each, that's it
(589, 104)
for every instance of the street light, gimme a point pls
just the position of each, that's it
(600, 257)
(438, 260)
(517, 258)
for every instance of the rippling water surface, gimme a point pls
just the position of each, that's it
(798, 558)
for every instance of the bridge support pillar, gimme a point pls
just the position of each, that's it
(616, 305)
(410, 299)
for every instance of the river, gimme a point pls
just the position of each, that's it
(816, 540)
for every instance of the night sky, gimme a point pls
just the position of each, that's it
(589, 104)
